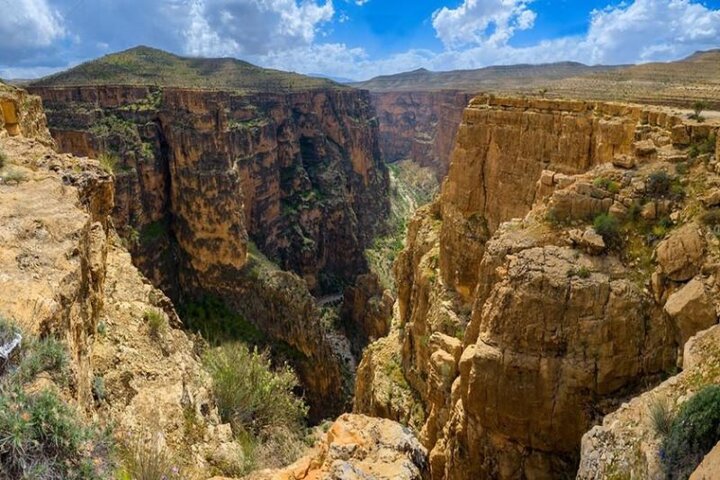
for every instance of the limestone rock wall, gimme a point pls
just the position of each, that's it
(420, 126)
(516, 336)
(66, 274)
(201, 173)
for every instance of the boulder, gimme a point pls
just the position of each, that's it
(679, 256)
(691, 309)
(710, 466)
(624, 161)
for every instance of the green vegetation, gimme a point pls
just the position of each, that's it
(711, 217)
(608, 227)
(148, 66)
(698, 108)
(157, 324)
(702, 146)
(607, 184)
(108, 162)
(694, 432)
(658, 184)
(580, 272)
(15, 177)
(3, 159)
(258, 401)
(41, 437)
(411, 187)
(210, 317)
(153, 231)
(147, 460)
(661, 416)
(98, 388)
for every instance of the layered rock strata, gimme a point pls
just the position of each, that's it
(420, 126)
(519, 326)
(200, 173)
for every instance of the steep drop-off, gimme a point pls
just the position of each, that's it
(518, 325)
(419, 126)
(199, 173)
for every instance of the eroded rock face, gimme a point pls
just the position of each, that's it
(503, 146)
(201, 173)
(64, 273)
(519, 328)
(359, 447)
(420, 126)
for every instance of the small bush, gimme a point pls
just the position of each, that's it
(661, 416)
(14, 176)
(250, 395)
(698, 108)
(658, 184)
(3, 159)
(607, 184)
(98, 388)
(157, 325)
(694, 432)
(147, 460)
(581, 272)
(608, 227)
(41, 437)
(711, 218)
(108, 162)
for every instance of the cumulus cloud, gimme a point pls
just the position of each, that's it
(27, 27)
(489, 22)
(254, 27)
(42, 35)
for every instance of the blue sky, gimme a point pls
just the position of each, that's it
(357, 38)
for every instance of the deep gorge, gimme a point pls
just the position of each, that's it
(268, 202)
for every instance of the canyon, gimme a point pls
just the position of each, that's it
(564, 278)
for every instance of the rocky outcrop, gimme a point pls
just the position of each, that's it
(359, 447)
(65, 274)
(200, 173)
(520, 324)
(420, 126)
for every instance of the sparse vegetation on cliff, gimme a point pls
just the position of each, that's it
(694, 432)
(41, 436)
(260, 404)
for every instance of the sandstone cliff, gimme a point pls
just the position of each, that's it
(420, 126)
(64, 273)
(201, 172)
(518, 324)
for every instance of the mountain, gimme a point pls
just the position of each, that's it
(496, 77)
(149, 66)
(678, 83)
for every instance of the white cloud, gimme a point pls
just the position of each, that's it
(27, 26)
(254, 27)
(488, 22)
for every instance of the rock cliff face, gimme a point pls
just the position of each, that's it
(64, 273)
(518, 325)
(420, 126)
(200, 173)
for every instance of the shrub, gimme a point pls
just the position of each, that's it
(147, 460)
(698, 108)
(98, 388)
(14, 176)
(250, 395)
(3, 159)
(694, 432)
(157, 325)
(108, 162)
(661, 416)
(607, 227)
(582, 272)
(607, 184)
(711, 218)
(41, 437)
(658, 184)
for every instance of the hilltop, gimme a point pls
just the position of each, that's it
(495, 77)
(678, 83)
(149, 66)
